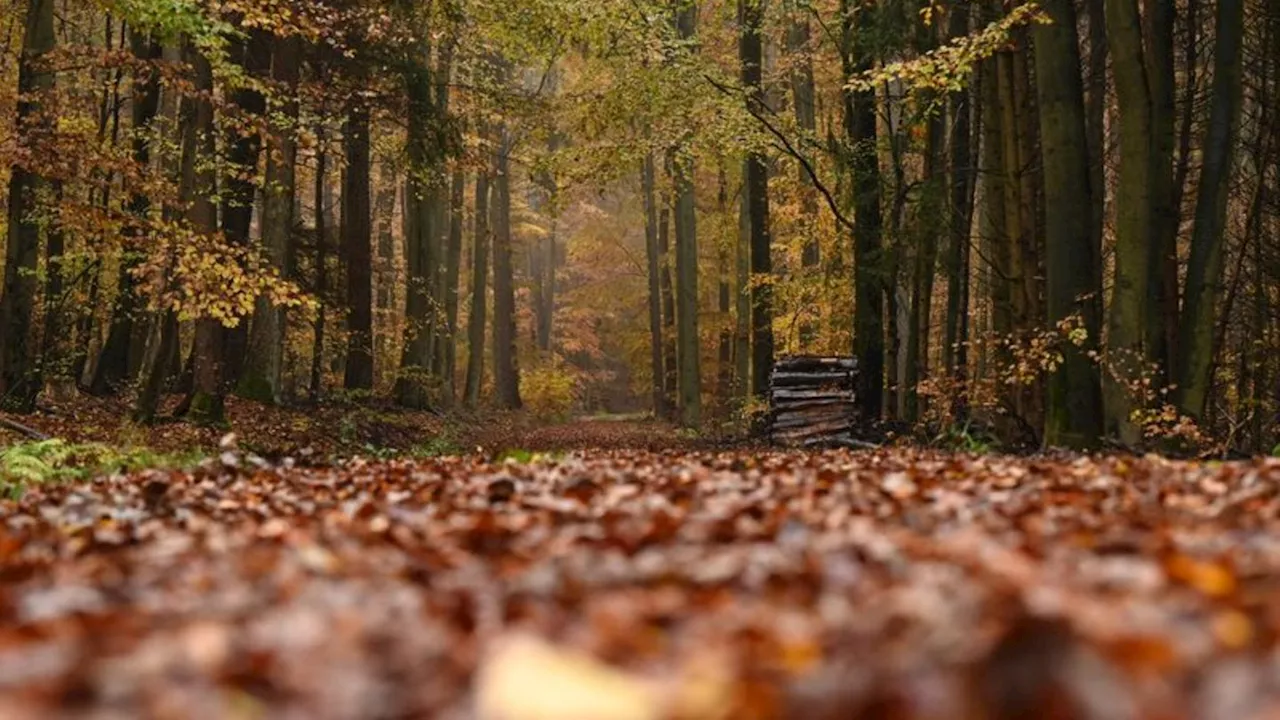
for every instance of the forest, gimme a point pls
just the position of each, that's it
(418, 358)
(1048, 225)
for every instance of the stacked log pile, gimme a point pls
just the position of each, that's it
(812, 401)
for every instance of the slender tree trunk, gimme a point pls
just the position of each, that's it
(1127, 324)
(506, 374)
(653, 259)
(928, 209)
(113, 364)
(756, 179)
(479, 281)
(159, 352)
(315, 387)
(421, 191)
(742, 294)
(669, 362)
(453, 263)
(960, 204)
(357, 231)
(240, 183)
(441, 196)
(992, 223)
(263, 366)
(1095, 133)
(205, 403)
(1161, 284)
(1073, 415)
(686, 225)
(726, 267)
(1204, 270)
(862, 137)
(19, 364)
(54, 341)
(802, 99)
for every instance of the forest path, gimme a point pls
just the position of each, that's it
(589, 432)
(712, 583)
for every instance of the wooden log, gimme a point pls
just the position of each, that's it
(811, 379)
(809, 362)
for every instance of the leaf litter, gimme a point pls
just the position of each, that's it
(646, 584)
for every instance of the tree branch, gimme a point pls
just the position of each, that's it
(791, 150)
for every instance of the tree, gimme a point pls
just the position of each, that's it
(506, 375)
(357, 245)
(688, 353)
(652, 266)
(205, 403)
(1127, 324)
(479, 282)
(114, 365)
(862, 139)
(453, 263)
(239, 184)
(756, 183)
(263, 366)
(804, 108)
(1204, 271)
(28, 194)
(1073, 416)
(421, 198)
(955, 349)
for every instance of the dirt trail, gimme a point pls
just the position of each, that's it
(830, 585)
(616, 432)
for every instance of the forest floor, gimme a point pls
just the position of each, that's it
(615, 569)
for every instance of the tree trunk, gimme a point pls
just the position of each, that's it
(1095, 134)
(928, 209)
(421, 191)
(263, 366)
(862, 137)
(357, 231)
(756, 180)
(1162, 279)
(158, 357)
(1073, 416)
(440, 222)
(506, 374)
(113, 360)
(1204, 270)
(726, 266)
(802, 100)
(1127, 323)
(19, 365)
(742, 295)
(960, 204)
(686, 223)
(239, 185)
(315, 387)
(652, 260)
(453, 262)
(669, 362)
(205, 403)
(479, 281)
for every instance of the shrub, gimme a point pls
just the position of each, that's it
(550, 390)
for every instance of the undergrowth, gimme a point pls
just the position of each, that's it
(55, 460)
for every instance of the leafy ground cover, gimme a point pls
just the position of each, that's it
(647, 583)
